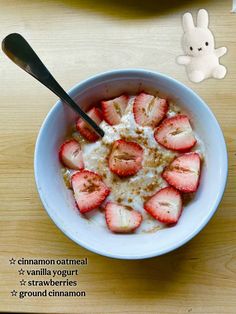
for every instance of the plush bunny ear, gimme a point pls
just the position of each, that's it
(188, 22)
(202, 18)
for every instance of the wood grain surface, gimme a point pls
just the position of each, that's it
(77, 39)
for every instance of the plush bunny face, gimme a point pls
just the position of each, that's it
(198, 42)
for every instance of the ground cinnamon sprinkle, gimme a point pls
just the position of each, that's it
(152, 186)
(145, 198)
(119, 200)
(114, 180)
(104, 175)
(108, 145)
(127, 138)
(138, 131)
(145, 142)
(91, 187)
(155, 158)
(139, 139)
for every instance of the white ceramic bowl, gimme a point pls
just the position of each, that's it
(58, 200)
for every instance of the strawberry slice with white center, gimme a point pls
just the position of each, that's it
(165, 205)
(114, 109)
(122, 219)
(85, 130)
(184, 172)
(89, 190)
(175, 133)
(125, 158)
(149, 110)
(70, 155)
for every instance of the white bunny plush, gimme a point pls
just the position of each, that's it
(201, 59)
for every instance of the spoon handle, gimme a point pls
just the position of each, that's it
(21, 53)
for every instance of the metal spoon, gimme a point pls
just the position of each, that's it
(21, 53)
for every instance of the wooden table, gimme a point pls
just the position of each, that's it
(77, 39)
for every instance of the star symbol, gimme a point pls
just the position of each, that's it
(13, 293)
(12, 261)
(23, 282)
(21, 271)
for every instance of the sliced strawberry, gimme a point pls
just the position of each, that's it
(89, 190)
(122, 219)
(175, 133)
(149, 110)
(114, 109)
(184, 172)
(165, 205)
(70, 155)
(125, 158)
(85, 130)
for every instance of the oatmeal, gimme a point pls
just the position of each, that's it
(153, 154)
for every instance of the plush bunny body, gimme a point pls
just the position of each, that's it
(201, 59)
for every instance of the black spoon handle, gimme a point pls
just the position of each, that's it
(21, 53)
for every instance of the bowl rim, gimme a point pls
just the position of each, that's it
(204, 222)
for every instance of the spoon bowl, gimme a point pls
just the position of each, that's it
(95, 236)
